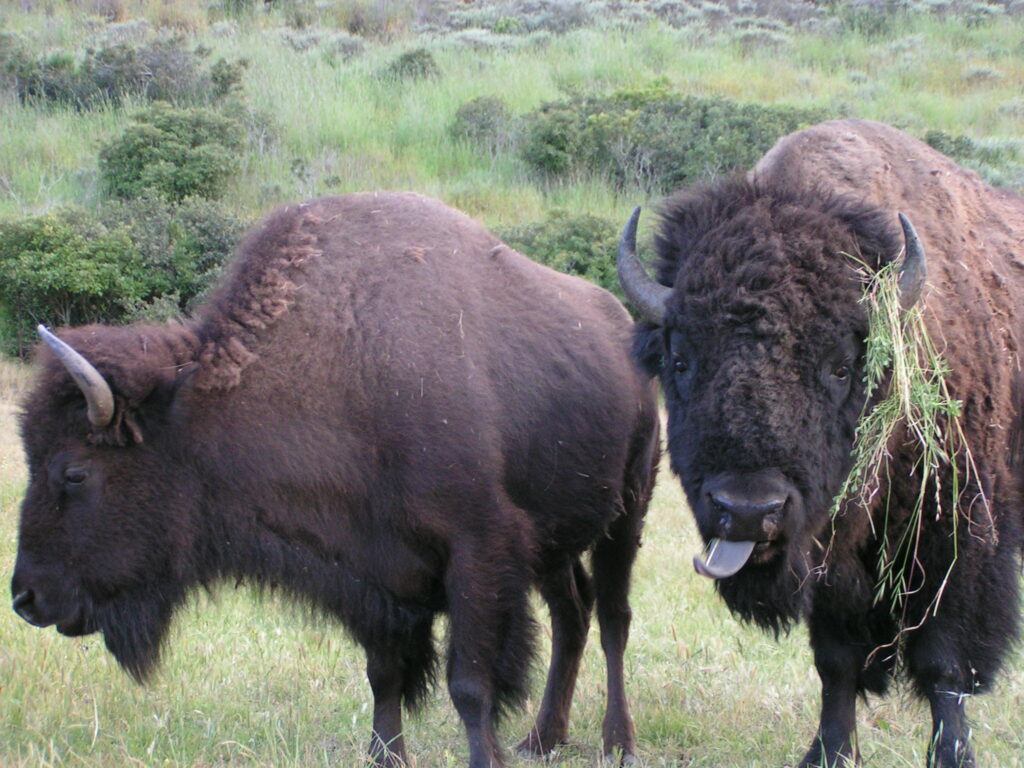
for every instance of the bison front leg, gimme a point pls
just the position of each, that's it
(950, 745)
(569, 596)
(947, 684)
(400, 666)
(838, 664)
(613, 564)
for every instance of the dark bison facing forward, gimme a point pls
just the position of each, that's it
(758, 331)
(383, 411)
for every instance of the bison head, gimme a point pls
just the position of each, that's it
(108, 513)
(758, 333)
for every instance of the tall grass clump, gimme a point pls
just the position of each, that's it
(908, 398)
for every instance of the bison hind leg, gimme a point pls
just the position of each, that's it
(515, 655)
(420, 663)
(570, 598)
(491, 631)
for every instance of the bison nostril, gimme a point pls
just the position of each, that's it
(22, 604)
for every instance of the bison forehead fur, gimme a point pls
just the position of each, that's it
(381, 410)
(761, 359)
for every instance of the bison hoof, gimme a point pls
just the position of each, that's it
(957, 756)
(538, 745)
(817, 757)
(618, 759)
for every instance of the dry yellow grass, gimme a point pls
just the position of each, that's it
(14, 379)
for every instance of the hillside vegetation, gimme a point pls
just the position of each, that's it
(139, 138)
(547, 119)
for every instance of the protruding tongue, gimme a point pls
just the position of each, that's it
(723, 558)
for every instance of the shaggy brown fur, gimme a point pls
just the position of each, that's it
(387, 414)
(763, 373)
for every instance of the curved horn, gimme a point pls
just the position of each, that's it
(645, 294)
(914, 270)
(98, 396)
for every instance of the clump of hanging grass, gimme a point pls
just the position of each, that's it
(906, 385)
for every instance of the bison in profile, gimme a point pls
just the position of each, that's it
(757, 330)
(382, 411)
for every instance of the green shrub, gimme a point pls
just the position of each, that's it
(50, 78)
(999, 161)
(163, 70)
(577, 244)
(135, 259)
(62, 269)
(957, 147)
(487, 122)
(181, 246)
(652, 138)
(417, 64)
(226, 76)
(174, 153)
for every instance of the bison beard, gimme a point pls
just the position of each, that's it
(134, 626)
(757, 330)
(768, 594)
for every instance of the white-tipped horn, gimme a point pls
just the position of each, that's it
(98, 396)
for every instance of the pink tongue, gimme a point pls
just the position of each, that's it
(723, 558)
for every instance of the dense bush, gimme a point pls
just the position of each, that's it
(174, 153)
(487, 122)
(652, 138)
(999, 161)
(163, 70)
(137, 259)
(182, 247)
(64, 268)
(577, 244)
(417, 64)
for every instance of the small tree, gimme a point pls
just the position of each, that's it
(174, 153)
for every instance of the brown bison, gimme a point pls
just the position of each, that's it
(382, 411)
(757, 328)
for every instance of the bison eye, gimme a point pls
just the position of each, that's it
(75, 476)
(680, 365)
(842, 372)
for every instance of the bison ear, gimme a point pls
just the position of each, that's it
(914, 269)
(137, 372)
(649, 347)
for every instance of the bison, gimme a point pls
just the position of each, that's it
(382, 411)
(757, 330)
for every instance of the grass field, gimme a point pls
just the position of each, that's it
(250, 680)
